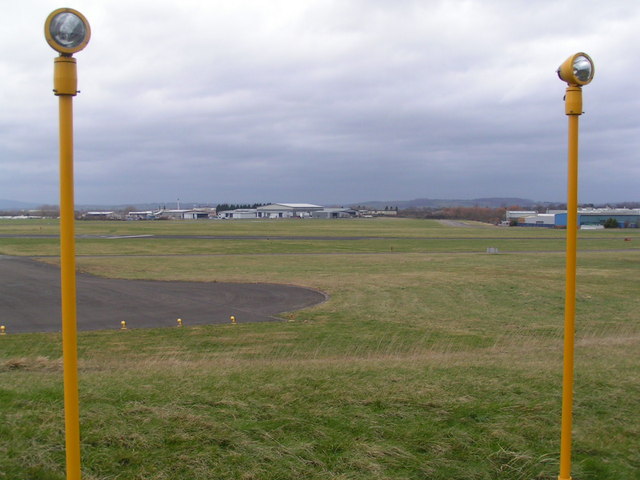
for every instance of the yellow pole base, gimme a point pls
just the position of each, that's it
(123, 325)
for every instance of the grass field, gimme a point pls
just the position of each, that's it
(431, 359)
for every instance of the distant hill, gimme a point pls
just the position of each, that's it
(496, 202)
(15, 205)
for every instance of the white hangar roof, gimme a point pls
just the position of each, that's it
(290, 206)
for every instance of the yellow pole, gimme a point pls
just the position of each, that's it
(573, 110)
(65, 82)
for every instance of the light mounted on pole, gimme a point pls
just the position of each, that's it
(576, 71)
(67, 32)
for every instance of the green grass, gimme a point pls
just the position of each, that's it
(284, 236)
(424, 363)
(373, 227)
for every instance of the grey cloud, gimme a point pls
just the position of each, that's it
(327, 102)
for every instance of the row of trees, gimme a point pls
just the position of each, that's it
(222, 207)
(480, 214)
(52, 211)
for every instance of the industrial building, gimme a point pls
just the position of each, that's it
(538, 220)
(625, 217)
(587, 218)
(288, 210)
(162, 213)
(516, 215)
(100, 216)
(334, 213)
(240, 213)
(275, 210)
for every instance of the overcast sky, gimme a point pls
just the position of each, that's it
(327, 102)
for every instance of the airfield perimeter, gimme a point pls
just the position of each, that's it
(434, 358)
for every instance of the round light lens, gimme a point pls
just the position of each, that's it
(68, 30)
(577, 70)
(582, 69)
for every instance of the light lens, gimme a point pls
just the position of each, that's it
(582, 69)
(68, 30)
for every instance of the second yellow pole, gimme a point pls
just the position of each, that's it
(68, 290)
(574, 97)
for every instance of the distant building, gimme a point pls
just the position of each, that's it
(587, 217)
(100, 216)
(288, 210)
(518, 216)
(199, 214)
(141, 215)
(377, 213)
(164, 214)
(334, 213)
(173, 214)
(240, 213)
(538, 220)
(626, 217)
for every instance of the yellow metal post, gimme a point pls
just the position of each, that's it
(64, 87)
(67, 31)
(573, 108)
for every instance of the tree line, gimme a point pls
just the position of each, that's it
(223, 207)
(480, 214)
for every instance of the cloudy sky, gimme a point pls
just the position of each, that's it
(323, 101)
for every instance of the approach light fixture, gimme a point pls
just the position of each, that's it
(67, 31)
(577, 70)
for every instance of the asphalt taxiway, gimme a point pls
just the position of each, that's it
(30, 300)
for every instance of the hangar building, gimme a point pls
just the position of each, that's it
(587, 217)
(287, 210)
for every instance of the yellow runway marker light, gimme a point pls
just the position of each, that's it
(67, 32)
(576, 71)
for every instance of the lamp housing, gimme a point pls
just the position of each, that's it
(577, 70)
(67, 31)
